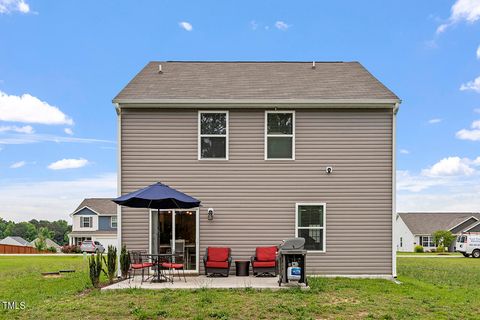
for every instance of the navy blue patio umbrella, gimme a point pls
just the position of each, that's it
(157, 196)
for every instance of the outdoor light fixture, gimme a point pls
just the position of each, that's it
(210, 213)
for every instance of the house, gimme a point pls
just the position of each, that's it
(15, 241)
(273, 150)
(49, 244)
(416, 228)
(94, 219)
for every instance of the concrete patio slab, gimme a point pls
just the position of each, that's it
(199, 282)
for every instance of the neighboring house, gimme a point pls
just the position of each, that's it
(416, 228)
(49, 243)
(16, 241)
(94, 219)
(275, 149)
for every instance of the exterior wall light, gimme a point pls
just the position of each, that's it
(210, 213)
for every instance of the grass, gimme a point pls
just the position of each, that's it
(432, 289)
(429, 254)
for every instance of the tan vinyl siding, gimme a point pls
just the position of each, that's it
(254, 199)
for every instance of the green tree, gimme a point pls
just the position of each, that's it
(26, 230)
(443, 238)
(45, 233)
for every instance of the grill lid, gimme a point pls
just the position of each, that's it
(293, 244)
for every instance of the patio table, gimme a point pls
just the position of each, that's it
(157, 260)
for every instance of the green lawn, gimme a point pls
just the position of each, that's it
(432, 289)
(429, 254)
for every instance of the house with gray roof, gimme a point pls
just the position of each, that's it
(15, 240)
(274, 149)
(94, 219)
(416, 228)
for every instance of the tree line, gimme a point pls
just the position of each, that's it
(29, 230)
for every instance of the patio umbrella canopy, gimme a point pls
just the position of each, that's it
(157, 196)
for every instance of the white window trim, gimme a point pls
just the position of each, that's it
(111, 222)
(200, 135)
(266, 135)
(82, 224)
(324, 228)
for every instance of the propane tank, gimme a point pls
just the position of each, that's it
(294, 272)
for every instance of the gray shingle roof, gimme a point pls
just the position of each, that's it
(20, 240)
(103, 206)
(424, 223)
(254, 81)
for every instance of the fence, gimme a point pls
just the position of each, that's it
(12, 249)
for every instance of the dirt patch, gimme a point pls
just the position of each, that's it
(52, 275)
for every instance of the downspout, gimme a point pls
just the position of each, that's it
(118, 110)
(394, 188)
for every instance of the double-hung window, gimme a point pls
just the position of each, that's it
(279, 135)
(213, 135)
(426, 241)
(86, 222)
(113, 222)
(310, 224)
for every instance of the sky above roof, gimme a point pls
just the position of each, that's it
(62, 62)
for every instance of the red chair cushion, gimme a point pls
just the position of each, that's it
(218, 254)
(263, 264)
(147, 264)
(172, 265)
(266, 253)
(217, 264)
(136, 266)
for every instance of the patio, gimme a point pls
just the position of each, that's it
(199, 282)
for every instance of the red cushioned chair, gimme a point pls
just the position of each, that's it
(264, 262)
(217, 261)
(139, 262)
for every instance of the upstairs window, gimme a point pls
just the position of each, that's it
(113, 222)
(279, 135)
(86, 222)
(213, 135)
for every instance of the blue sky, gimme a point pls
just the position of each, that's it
(61, 63)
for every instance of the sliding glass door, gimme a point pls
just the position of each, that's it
(176, 231)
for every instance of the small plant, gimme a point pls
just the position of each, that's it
(124, 261)
(95, 265)
(418, 248)
(41, 244)
(440, 249)
(111, 263)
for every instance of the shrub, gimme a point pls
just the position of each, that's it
(111, 263)
(71, 249)
(52, 249)
(418, 248)
(443, 238)
(40, 244)
(95, 266)
(440, 249)
(124, 261)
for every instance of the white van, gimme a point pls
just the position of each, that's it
(469, 244)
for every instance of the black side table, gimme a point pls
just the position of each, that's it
(242, 268)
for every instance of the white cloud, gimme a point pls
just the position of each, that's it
(478, 52)
(68, 131)
(471, 85)
(8, 6)
(451, 166)
(472, 134)
(404, 151)
(68, 164)
(185, 25)
(415, 183)
(476, 110)
(52, 200)
(30, 109)
(18, 164)
(460, 198)
(24, 129)
(281, 25)
(462, 10)
(253, 25)
(435, 120)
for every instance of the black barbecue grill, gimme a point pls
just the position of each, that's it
(292, 254)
